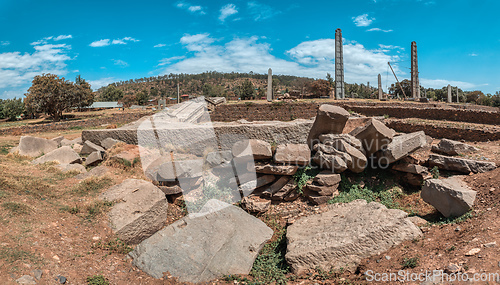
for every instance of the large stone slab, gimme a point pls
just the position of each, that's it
(276, 169)
(71, 167)
(401, 146)
(63, 155)
(330, 120)
(89, 147)
(451, 196)
(374, 136)
(451, 147)
(220, 240)
(294, 154)
(460, 164)
(345, 234)
(140, 211)
(258, 148)
(33, 146)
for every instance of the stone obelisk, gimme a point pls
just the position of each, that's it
(415, 84)
(449, 93)
(339, 66)
(380, 91)
(270, 85)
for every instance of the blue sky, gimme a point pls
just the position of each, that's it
(105, 41)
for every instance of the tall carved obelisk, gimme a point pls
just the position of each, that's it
(339, 66)
(449, 93)
(270, 85)
(380, 91)
(415, 84)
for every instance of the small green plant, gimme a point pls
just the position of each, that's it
(97, 208)
(92, 185)
(12, 254)
(386, 116)
(435, 172)
(72, 210)
(116, 245)
(5, 149)
(453, 220)
(410, 262)
(97, 280)
(303, 175)
(450, 249)
(16, 208)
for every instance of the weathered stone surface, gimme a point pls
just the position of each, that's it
(94, 172)
(460, 164)
(255, 205)
(33, 146)
(374, 136)
(161, 169)
(77, 147)
(401, 146)
(26, 280)
(328, 149)
(345, 234)
(189, 168)
(358, 161)
(417, 221)
(412, 179)
(276, 169)
(326, 178)
(451, 147)
(323, 190)
(62, 155)
(71, 167)
(451, 196)
(221, 240)
(292, 196)
(276, 186)
(66, 142)
(108, 143)
(89, 147)
(285, 191)
(58, 140)
(259, 148)
(219, 157)
(335, 139)
(329, 161)
(171, 190)
(14, 150)
(94, 158)
(316, 198)
(130, 155)
(355, 122)
(294, 154)
(330, 120)
(252, 184)
(414, 169)
(140, 212)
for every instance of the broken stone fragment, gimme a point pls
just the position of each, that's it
(374, 136)
(329, 120)
(451, 147)
(451, 196)
(258, 148)
(294, 154)
(460, 164)
(401, 146)
(62, 155)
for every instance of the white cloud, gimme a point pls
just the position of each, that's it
(310, 58)
(120, 62)
(378, 30)
(100, 43)
(107, 42)
(440, 83)
(226, 11)
(195, 9)
(160, 45)
(4, 43)
(363, 20)
(473, 54)
(260, 11)
(63, 37)
(169, 60)
(17, 69)
(98, 83)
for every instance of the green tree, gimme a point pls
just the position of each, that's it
(11, 108)
(247, 91)
(111, 94)
(330, 79)
(142, 97)
(83, 95)
(51, 95)
(321, 87)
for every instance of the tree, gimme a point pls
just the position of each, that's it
(51, 95)
(330, 79)
(142, 97)
(111, 94)
(83, 95)
(321, 87)
(395, 89)
(247, 90)
(11, 108)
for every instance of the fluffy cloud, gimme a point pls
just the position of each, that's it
(98, 83)
(4, 43)
(440, 83)
(310, 58)
(160, 45)
(63, 37)
(226, 11)
(17, 69)
(362, 20)
(107, 42)
(260, 11)
(195, 9)
(378, 30)
(120, 62)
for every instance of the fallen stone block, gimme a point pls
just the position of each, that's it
(316, 198)
(252, 184)
(329, 120)
(276, 169)
(71, 167)
(326, 178)
(219, 157)
(254, 205)
(451, 196)
(140, 211)
(285, 191)
(276, 186)
(374, 136)
(451, 147)
(358, 161)
(204, 246)
(33, 146)
(77, 147)
(89, 147)
(58, 140)
(345, 234)
(334, 140)
(460, 164)
(258, 148)
(330, 161)
(108, 143)
(63, 155)
(414, 169)
(401, 146)
(294, 154)
(171, 190)
(94, 172)
(94, 158)
(322, 190)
